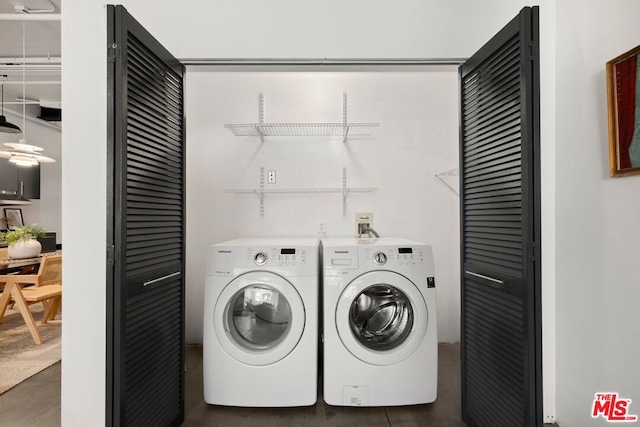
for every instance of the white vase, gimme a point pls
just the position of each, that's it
(24, 249)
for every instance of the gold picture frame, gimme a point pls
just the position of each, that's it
(623, 88)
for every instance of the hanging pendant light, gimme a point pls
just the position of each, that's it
(5, 126)
(23, 154)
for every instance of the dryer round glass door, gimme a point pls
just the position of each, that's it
(381, 317)
(259, 318)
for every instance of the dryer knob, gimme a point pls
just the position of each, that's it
(261, 258)
(380, 258)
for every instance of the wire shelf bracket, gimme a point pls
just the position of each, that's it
(447, 174)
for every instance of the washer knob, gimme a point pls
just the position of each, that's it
(380, 258)
(261, 258)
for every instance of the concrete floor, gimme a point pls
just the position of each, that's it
(36, 403)
(444, 412)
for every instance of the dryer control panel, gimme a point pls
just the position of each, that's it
(284, 256)
(394, 255)
(287, 257)
(287, 261)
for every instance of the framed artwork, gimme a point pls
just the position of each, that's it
(623, 90)
(14, 218)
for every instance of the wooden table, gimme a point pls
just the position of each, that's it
(10, 272)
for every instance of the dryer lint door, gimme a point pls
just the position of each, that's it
(381, 317)
(259, 318)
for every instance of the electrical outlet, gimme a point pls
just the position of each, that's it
(322, 228)
(271, 177)
(364, 220)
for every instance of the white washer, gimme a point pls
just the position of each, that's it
(261, 323)
(380, 327)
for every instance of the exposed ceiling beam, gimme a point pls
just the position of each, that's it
(21, 103)
(53, 125)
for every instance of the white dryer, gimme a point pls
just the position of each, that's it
(380, 327)
(260, 338)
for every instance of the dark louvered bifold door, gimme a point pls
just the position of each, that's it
(500, 230)
(145, 372)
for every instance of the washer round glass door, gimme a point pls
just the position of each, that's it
(381, 317)
(259, 318)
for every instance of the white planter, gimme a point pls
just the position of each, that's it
(24, 249)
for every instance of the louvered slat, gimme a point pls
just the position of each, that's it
(494, 354)
(154, 161)
(153, 388)
(492, 158)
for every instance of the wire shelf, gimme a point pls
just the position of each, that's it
(343, 129)
(304, 190)
(344, 191)
(302, 129)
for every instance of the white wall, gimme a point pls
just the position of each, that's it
(548, 204)
(325, 28)
(84, 183)
(598, 273)
(418, 138)
(204, 29)
(46, 211)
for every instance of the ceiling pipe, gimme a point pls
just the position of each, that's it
(35, 82)
(30, 17)
(13, 69)
(30, 72)
(43, 60)
(32, 66)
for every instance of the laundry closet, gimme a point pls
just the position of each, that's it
(399, 164)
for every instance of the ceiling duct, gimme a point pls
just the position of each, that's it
(50, 114)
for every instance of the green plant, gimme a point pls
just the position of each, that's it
(24, 233)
